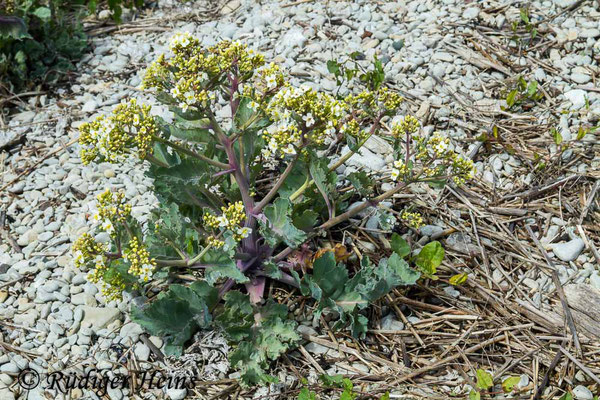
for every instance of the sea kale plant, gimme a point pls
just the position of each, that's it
(245, 174)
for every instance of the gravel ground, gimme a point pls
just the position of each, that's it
(51, 318)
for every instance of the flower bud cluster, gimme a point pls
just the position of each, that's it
(7, 7)
(193, 71)
(111, 283)
(399, 169)
(266, 80)
(437, 156)
(302, 116)
(409, 125)
(140, 263)
(352, 128)
(112, 207)
(109, 138)
(413, 219)
(229, 220)
(86, 249)
(383, 100)
(433, 152)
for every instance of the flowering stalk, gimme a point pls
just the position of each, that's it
(341, 161)
(360, 207)
(273, 192)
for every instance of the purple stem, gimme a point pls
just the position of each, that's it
(234, 101)
(226, 287)
(286, 278)
(229, 171)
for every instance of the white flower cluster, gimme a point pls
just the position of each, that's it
(398, 170)
(180, 40)
(102, 135)
(104, 223)
(186, 97)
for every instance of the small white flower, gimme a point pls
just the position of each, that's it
(289, 149)
(330, 131)
(96, 216)
(175, 92)
(223, 221)
(271, 81)
(395, 174)
(440, 147)
(146, 272)
(180, 39)
(244, 232)
(273, 145)
(136, 119)
(184, 106)
(309, 120)
(108, 226)
(337, 110)
(254, 105)
(266, 153)
(78, 257)
(189, 97)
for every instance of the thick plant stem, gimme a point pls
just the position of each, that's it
(234, 164)
(192, 153)
(248, 244)
(275, 187)
(226, 287)
(200, 255)
(287, 279)
(355, 210)
(172, 263)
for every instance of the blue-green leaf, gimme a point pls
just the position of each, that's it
(221, 265)
(197, 131)
(13, 28)
(332, 288)
(278, 226)
(177, 314)
(259, 335)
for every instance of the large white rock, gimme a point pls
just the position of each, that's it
(568, 251)
(576, 97)
(583, 393)
(99, 318)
